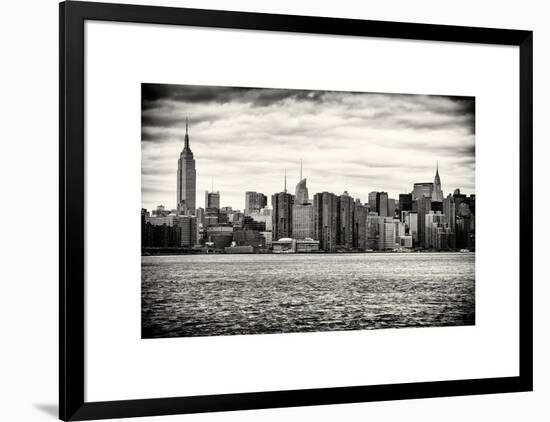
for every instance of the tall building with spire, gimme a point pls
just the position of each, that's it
(212, 200)
(302, 195)
(345, 220)
(187, 178)
(437, 194)
(302, 211)
(282, 203)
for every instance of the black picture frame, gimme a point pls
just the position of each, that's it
(72, 16)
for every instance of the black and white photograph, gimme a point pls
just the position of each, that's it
(270, 211)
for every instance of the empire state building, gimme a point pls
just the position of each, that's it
(187, 178)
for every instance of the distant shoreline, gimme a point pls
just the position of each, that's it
(176, 253)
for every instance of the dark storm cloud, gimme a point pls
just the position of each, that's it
(454, 151)
(152, 93)
(189, 93)
(452, 122)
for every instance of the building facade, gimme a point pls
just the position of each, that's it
(169, 231)
(302, 195)
(373, 230)
(412, 222)
(434, 221)
(405, 242)
(265, 215)
(325, 220)
(405, 202)
(449, 211)
(268, 238)
(281, 218)
(372, 201)
(302, 221)
(360, 226)
(423, 207)
(422, 190)
(220, 236)
(391, 207)
(302, 212)
(307, 245)
(382, 204)
(386, 239)
(345, 220)
(188, 227)
(247, 237)
(187, 179)
(254, 202)
(211, 200)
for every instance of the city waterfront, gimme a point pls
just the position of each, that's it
(208, 295)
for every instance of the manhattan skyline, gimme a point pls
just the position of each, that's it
(244, 138)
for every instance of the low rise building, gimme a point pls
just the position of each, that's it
(307, 245)
(284, 245)
(405, 241)
(239, 249)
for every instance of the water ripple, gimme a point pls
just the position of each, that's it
(207, 295)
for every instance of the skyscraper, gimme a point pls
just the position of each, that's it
(464, 223)
(373, 230)
(302, 211)
(391, 207)
(188, 230)
(449, 211)
(405, 202)
(211, 200)
(463, 233)
(387, 235)
(412, 221)
(254, 202)
(302, 221)
(187, 178)
(302, 195)
(282, 215)
(372, 201)
(282, 203)
(345, 220)
(437, 194)
(265, 216)
(382, 204)
(360, 225)
(423, 206)
(325, 216)
(422, 190)
(433, 221)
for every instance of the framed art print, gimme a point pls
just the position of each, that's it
(266, 210)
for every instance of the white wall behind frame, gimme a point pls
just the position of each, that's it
(122, 366)
(29, 306)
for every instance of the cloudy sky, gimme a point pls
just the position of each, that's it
(245, 138)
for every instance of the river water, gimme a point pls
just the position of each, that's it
(207, 295)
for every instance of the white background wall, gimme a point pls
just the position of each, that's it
(28, 198)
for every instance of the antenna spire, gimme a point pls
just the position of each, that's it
(186, 133)
(300, 169)
(285, 180)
